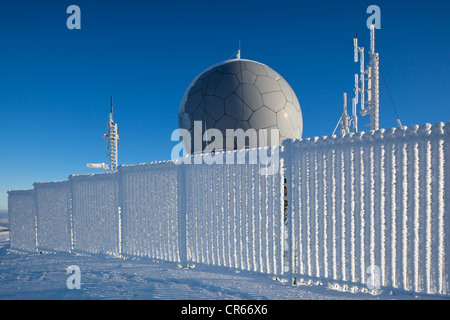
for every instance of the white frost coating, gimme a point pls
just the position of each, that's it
(362, 218)
(325, 215)
(442, 282)
(372, 261)
(318, 191)
(416, 218)
(150, 211)
(52, 201)
(309, 234)
(389, 270)
(22, 220)
(333, 215)
(343, 202)
(234, 218)
(95, 218)
(429, 212)
(352, 183)
(382, 198)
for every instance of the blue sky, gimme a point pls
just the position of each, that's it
(55, 83)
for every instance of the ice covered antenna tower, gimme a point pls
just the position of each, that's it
(112, 142)
(369, 78)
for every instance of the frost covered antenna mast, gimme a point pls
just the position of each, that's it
(355, 101)
(112, 142)
(373, 85)
(360, 91)
(371, 75)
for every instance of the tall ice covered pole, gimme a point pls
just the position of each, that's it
(112, 139)
(112, 142)
(367, 84)
(374, 66)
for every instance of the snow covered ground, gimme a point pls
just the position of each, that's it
(43, 276)
(4, 225)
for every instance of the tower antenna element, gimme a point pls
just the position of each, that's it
(373, 85)
(112, 142)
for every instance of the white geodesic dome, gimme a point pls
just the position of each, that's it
(241, 94)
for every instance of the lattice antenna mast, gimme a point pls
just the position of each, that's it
(371, 75)
(360, 91)
(112, 140)
(373, 103)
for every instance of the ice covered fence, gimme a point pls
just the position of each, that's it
(52, 204)
(150, 210)
(357, 204)
(95, 213)
(234, 215)
(22, 219)
(375, 199)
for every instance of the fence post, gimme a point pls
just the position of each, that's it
(70, 212)
(446, 219)
(181, 190)
(36, 217)
(71, 221)
(119, 208)
(287, 163)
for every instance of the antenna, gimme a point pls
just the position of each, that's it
(238, 55)
(345, 119)
(355, 44)
(112, 136)
(371, 75)
(372, 39)
(102, 165)
(373, 71)
(355, 102)
(112, 142)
